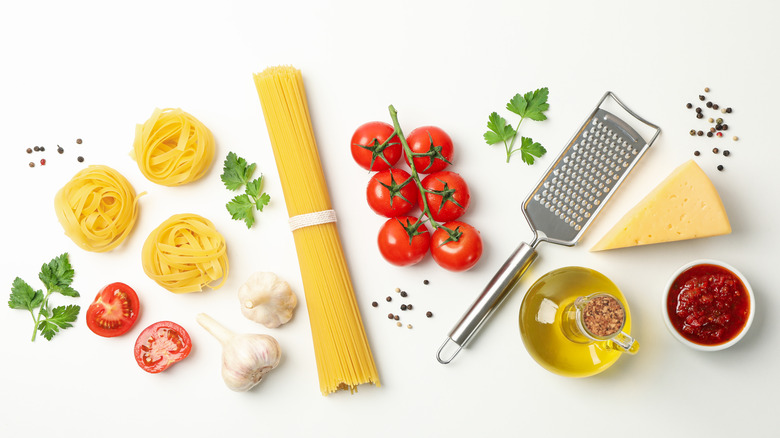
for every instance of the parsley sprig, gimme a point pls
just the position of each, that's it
(532, 105)
(235, 174)
(57, 276)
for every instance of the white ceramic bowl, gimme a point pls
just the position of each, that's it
(694, 345)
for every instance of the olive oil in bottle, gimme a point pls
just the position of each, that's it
(575, 322)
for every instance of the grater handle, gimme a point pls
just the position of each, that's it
(488, 301)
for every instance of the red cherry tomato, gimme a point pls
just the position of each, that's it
(434, 142)
(392, 193)
(375, 146)
(114, 310)
(451, 198)
(161, 345)
(394, 242)
(459, 255)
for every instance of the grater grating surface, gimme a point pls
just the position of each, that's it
(583, 178)
(561, 206)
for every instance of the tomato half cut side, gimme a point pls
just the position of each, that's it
(114, 310)
(161, 345)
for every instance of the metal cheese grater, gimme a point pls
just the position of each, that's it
(562, 205)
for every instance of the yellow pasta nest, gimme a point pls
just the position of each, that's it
(97, 208)
(173, 147)
(186, 253)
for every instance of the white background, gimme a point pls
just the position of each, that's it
(93, 70)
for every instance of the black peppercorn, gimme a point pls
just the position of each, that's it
(697, 153)
(404, 294)
(32, 164)
(709, 134)
(720, 167)
(688, 105)
(718, 127)
(60, 150)
(728, 110)
(724, 127)
(698, 109)
(700, 133)
(388, 299)
(403, 306)
(375, 304)
(29, 150)
(709, 104)
(409, 307)
(429, 314)
(42, 149)
(37, 148)
(80, 159)
(78, 141)
(426, 281)
(396, 317)
(726, 153)
(715, 106)
(701, 97)
(715, 150)
(699, 116)
(390, 316)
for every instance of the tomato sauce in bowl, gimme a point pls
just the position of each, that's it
(708, 304)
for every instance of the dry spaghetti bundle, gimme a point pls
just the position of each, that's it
(186, 253)
(344, 358)
(173, 147)
(97, 208)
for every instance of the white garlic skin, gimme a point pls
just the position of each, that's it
(267, 299)
(247, 358)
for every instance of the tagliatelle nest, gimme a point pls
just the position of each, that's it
(186, 253)
(97, 208)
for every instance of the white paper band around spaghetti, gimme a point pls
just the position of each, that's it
(310, 219)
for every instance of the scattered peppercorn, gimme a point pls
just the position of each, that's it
(388, 299)
(706, 89)
(700, 133)
(403, 306)
(390, 316)
(715, 106)
(43, 161)
(32, 164)
(398, 324)
(710, 120)
(720, 167)
(698, 109)
(409, 306)
(688, 105)
(720, 134)
(409, 326)
(699, 116)
(715, 150)
(29, 150)
(728, 110)
(404, 294)
(398, 289)
(718, 127)
(725, 127)
(693, 132)
(426, 282)
(735, 138)
(701, 97)
(37, 148)
(697, 153)
(709, 104)
(709, 134)
(712, 130)
(375, 304)
(42, 149)
(723, 110)
(80, 159)
(60, 149)
(78, 141)
(726, 153)
(396, 317)
(429, 314)
(719, 121)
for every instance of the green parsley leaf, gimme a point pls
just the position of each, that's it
(61, 318)
(23, 296)
(537, 104)
(499, 129)
(236, 172)
(241, 208)
(529, 149)
(253, 187)
(262, 201)
(57, 275)
(517, 105)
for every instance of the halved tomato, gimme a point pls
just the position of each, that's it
(161, 345)
(114, 310)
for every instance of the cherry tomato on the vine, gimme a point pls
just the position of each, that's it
(161, 345)
(460, 254)
(375, 146)
(433, 142)
(395, 244)
(114, 310)
(392, 193)
(447, 195)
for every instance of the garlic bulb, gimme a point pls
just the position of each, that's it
(267, 299)
(246, 358)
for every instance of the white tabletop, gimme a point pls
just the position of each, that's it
(93, 70)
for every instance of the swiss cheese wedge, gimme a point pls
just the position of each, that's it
(684, 206)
